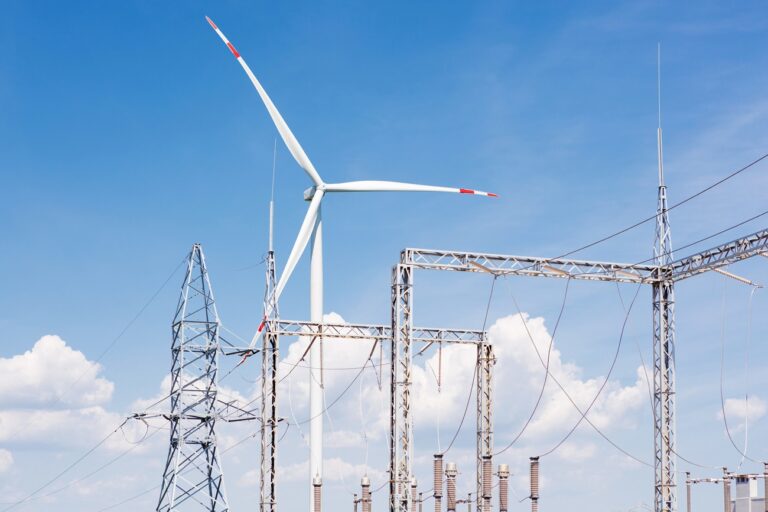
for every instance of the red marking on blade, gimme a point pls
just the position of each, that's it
(232, 49)
(262, 324)
(211, 23)
(466, 191)
(491, 194)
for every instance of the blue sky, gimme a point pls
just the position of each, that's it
(128, 133)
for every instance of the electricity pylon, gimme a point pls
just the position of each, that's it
(193, 478)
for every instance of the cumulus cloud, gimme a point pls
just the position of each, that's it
(53, 396)
(519, 374)
(52, 374)
(739, 411)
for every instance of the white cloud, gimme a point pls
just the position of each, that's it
(739, 411)
(519, 374)
(51, 374)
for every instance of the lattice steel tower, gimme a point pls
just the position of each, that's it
(193, 478)
(665, 459)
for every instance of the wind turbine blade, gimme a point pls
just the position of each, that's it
(287, 135)
(395, 186)
(305, 232)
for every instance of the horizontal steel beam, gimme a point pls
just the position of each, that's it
(378, 332)
(368, 332)
(720, 256)
(501, 264)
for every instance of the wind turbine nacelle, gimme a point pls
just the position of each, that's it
(309, 193)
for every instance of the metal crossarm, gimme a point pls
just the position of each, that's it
(376, 332)
(720, 256)
(501, 264)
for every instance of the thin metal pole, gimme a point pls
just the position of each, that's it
(726, 491)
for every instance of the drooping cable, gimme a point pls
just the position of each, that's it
(605, 381)
(746, 373)
(474, 372)
(576, 406)
(66, 469)
(546, 366)
(722, 379)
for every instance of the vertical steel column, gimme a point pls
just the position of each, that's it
(726, 491)
(270, 356)
(688, 491)
(401, 423)
(484, 397)
(665, 460)
(664, 394)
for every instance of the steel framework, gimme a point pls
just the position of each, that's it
(403, 422)
(270, 357)
(193, 478)
(661, 276)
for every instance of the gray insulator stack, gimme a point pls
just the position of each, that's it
(726, 491)
(503, 488)
(414, 494)
(534, 484)
(316, 489)
(365, 483)
(437, 485)
(487, 483)
(450, 481)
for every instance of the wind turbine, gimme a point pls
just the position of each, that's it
(312, 227)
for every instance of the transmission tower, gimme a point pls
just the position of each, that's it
(193, 478)
(665, 495)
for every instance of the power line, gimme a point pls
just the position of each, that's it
(676, 205)
(474, 373)
(546, 366)
(605, 381)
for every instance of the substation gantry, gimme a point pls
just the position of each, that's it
(661, 278)
(400, 388)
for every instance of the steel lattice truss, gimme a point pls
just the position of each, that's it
(500, 264)
(193, 478)
(664, 416)
(661, 276)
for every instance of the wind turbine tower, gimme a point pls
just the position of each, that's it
(312, 228)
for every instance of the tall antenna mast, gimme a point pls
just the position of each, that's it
(272, 197)
(658, 131)
(665, 459)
